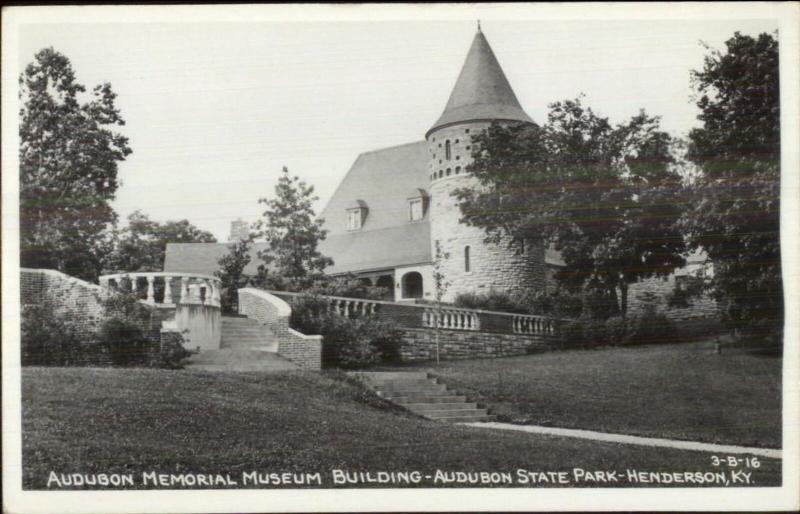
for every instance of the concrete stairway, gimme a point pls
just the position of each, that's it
(425, 396)
(246, 346)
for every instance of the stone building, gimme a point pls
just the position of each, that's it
(385, 218)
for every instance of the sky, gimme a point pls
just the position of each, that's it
(215, 110)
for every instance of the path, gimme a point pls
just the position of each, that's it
(721, 449)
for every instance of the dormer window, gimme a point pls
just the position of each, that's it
(417, 204)
(356, 214)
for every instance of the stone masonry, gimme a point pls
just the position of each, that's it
(502, 266)
(303, 350)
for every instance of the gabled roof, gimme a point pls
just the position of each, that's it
(482, 91)
(203, 258)
(381, 179)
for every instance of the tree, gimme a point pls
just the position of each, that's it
(440, 286)
(602, 195)
(231, 273)
(292, 260)
(68, 167)
(736, 196)
(142, 245)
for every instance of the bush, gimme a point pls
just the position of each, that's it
(648, 328)
(652, 327)
(128, 331)
(51, 338)
(492, 301)
(172, 352)
(347, 342)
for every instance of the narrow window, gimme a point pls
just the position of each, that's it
(466, 259)
(448, 172)
(415, 209)
(447, 150)
(354, 219)
(466, 131)
(441, 173)
(458, 170)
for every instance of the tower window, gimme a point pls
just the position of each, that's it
(415, 212)
(441, 173)
(354, 219)
(466, 131)
(458, 157)
(458, 170)
(448, 172)
(467, 147)
(456, 141)
(466, 259)
(447, 150)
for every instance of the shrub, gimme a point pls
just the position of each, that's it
(559, 303)
(128, 331)
(172, 352)
(51, 338)
(491, 301)
(651, 327)
(347, 342)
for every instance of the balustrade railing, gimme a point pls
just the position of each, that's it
(448, 317)
(527, 324)
(165, 288)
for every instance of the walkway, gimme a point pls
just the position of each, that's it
(722, 449)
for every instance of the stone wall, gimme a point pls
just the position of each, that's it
(701, 317)
(492, 266)
(81, 303)
(303, 350)
(459, 344)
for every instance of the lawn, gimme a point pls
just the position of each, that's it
(680, 391)
(92, 420)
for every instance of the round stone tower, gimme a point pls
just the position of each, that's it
(481, 96)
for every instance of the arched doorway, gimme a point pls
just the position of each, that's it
(412, 285)
(386, 283)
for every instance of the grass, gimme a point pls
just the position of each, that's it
(684, 391)
(94, 420)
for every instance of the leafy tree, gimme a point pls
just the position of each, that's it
(290, 228)
(231, 273)
(142, 245)
(602, 195)
(734, 215)
(68, 167)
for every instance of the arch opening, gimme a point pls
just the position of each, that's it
(411, 284)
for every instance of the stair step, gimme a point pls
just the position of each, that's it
(425, 398)
(392, 375)
(465, 419)
(413, 388)
(389, 383)
(440, 406)
(449, 413)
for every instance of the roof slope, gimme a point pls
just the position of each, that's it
(383, 180)
(482, 91)
(203, 258)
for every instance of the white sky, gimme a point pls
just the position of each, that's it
(214, 111)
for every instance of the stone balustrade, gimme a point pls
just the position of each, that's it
(460, 319)
(351, 306)
(168, 289)
(535, 325)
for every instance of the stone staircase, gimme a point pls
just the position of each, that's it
(425, 396)
(246, 346)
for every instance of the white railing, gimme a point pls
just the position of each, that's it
(450, 318)
(526, 324)
(351, 306)
(179, 288)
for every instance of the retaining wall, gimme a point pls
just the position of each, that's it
(303, 350)
(460, 344)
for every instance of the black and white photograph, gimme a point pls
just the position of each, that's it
(456, 257)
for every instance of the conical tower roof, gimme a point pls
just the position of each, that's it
(482, 91)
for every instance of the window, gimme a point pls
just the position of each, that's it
(466, 259)
(447, 150)
(448, 172)
(415, 211)
(458, 170)
(354, 219)
(441, 173)
(466, 131)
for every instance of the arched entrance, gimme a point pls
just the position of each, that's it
(412, 285)
(386, 283)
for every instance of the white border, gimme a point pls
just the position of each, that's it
(369, 500)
